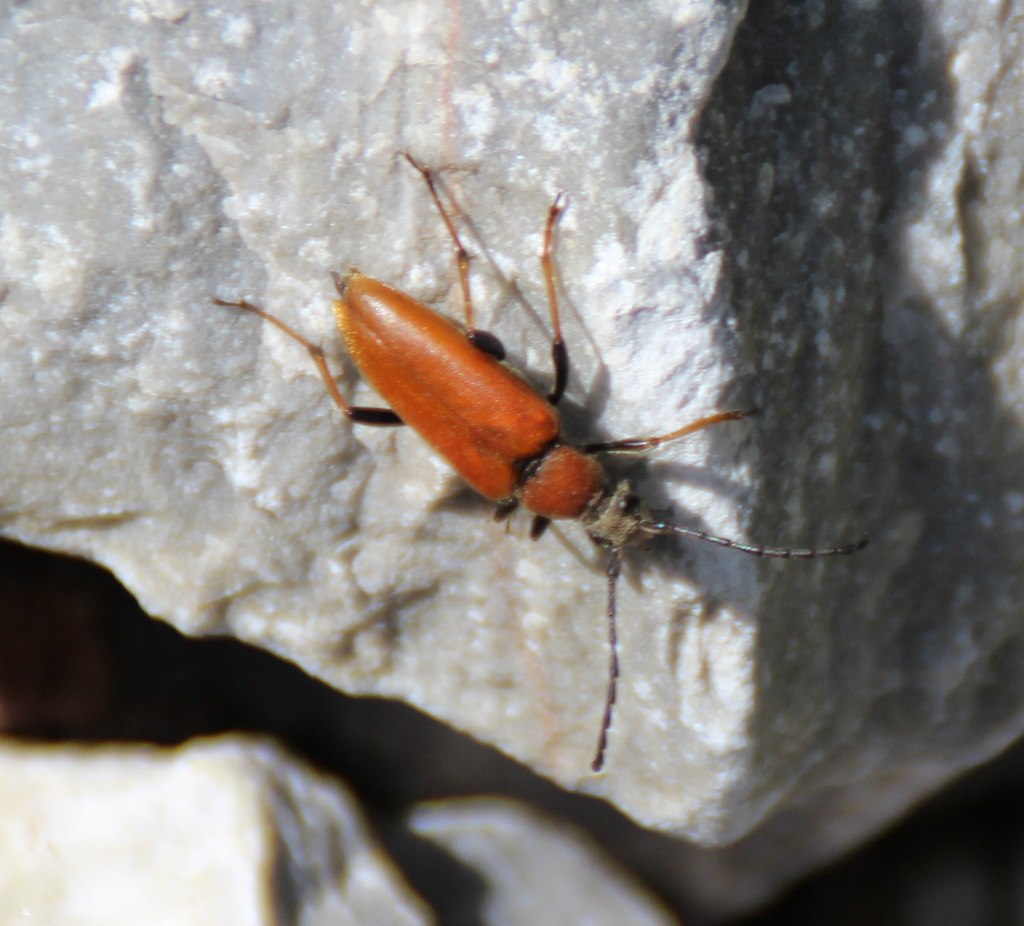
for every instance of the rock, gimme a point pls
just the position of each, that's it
(225, 831)
(512, 846)
(812, 211)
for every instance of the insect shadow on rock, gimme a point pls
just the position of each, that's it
(448, 383)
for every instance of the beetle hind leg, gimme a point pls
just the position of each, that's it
(487, 342)
(559, 352)
(355, 413)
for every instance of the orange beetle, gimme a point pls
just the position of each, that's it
(450, 385)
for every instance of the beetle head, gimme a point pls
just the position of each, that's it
(617, 518)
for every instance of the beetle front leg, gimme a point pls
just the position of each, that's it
(505, 508)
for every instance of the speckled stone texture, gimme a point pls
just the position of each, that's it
(812, 210)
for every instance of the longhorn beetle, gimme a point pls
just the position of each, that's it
(450, 385)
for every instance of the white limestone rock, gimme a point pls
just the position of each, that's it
(536, 870)
(859, 282)
(221, 832)
(244, 152)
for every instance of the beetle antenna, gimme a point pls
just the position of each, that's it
(664, 527)
(613, 570)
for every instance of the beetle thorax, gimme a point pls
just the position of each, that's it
(563, 483)
(614, 519)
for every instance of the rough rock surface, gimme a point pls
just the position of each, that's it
(512, 846)
(218, 832)
(813, 211)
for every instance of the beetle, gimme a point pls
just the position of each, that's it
(450, 384)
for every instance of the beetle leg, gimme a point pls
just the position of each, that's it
(483, 340)
(355, 413)
(559, 353)
(643, 444)
(539, 525)
(382, 417)
(505, 508)
(461, 254)
(489, 343)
